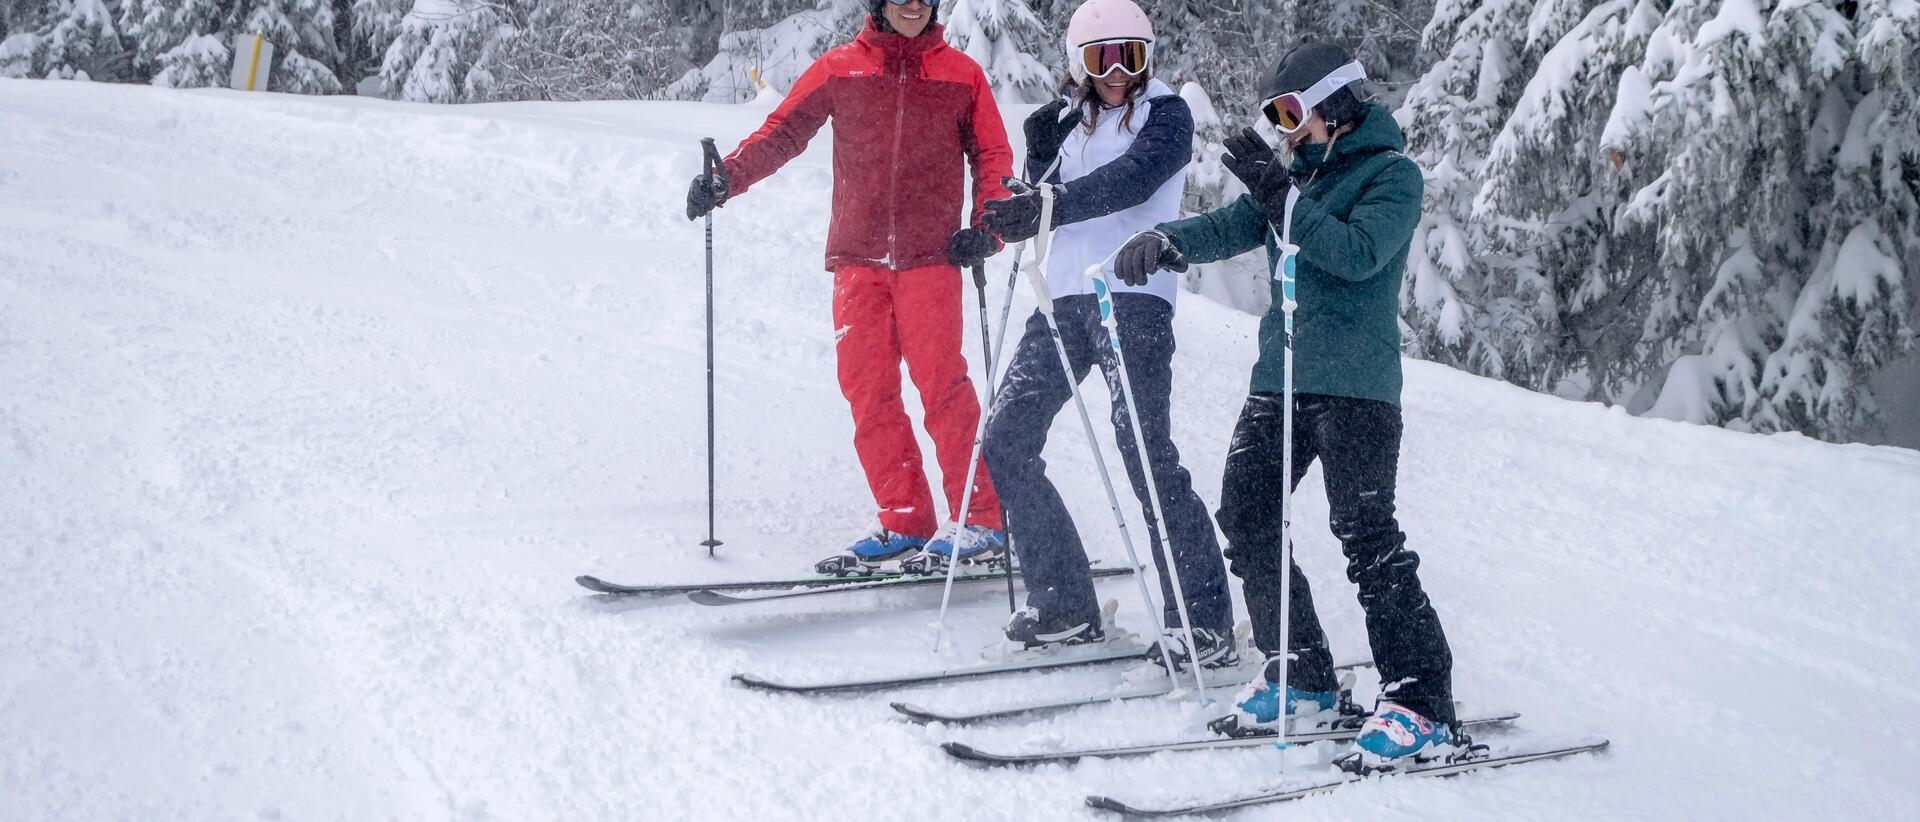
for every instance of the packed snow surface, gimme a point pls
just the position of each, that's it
(313, 408)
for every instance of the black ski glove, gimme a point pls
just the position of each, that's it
(969, 247)
(1147, 252)
(1046, 131)
(1265, 176)
(706, 193)
(1017, 218)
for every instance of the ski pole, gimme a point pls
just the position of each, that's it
(1102, 291)
(714, 169)
(980, 433)
(973, 462)
(1287, 305)
(986, 350)
(1037, 278)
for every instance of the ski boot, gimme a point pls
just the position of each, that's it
(880, 552)
(1256, 709)
(1217, 649)
(1033, 630)
(979, 546)
(1396, 736)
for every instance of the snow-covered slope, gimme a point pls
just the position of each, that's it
(311, 409)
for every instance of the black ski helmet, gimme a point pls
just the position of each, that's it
(1304, 66)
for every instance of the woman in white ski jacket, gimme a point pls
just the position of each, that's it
(1116, 150)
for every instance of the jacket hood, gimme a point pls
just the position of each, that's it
(933, 36)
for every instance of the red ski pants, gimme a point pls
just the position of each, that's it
(881, 317)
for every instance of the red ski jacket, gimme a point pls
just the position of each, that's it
(906, 111)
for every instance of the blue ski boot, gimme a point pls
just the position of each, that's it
(1256, 709)
(880, 552)
(979, 546)
(1395, 735)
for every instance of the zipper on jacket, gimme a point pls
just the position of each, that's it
(893, 185)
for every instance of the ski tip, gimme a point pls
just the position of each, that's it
(913, 712)
(967, 753)
(712, 598)
(591, 583)
(757, 682)
(961, 750)
(1107, 803)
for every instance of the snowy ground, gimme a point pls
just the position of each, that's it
(312, 409)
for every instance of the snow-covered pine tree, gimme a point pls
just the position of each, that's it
(446, 49)
(776, 48)
(65, 39)
(1753, 314)
(1732, 243)
(595, 50)
(1710, 307)
(1856, 312)
(1208, 42)
(180, 43)
(1021, 58)
(1536, 217)
(1452, 115)
(374, 25)
(304, 49)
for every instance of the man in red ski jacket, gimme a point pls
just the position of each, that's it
(907, 112)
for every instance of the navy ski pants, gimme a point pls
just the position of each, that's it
(1052, 559)
(1358, 444)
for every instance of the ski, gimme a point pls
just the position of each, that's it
(1341, 733)
(601, 586)
(1230, 678)
(715, 597)
(1095, 656)
(1479, 763)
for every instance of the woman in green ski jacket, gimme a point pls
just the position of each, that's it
(1346, 206)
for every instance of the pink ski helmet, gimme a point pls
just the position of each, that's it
(1099, 20)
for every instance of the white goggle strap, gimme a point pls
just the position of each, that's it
(1334, 81)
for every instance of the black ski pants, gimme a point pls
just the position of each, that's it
(1358, 445)
(1052, 559)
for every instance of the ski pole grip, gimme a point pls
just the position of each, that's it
(714, 168)
(980, 277)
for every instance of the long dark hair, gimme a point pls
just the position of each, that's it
(1089, 96)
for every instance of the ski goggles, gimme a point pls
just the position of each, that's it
(1289, 111)
(927, 3)
(1104, 57)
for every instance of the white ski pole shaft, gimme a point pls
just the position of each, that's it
(1109, 318)
(1287, 306)
(960, 517)
(973, 462)
(980, 431)
(1037, 277)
